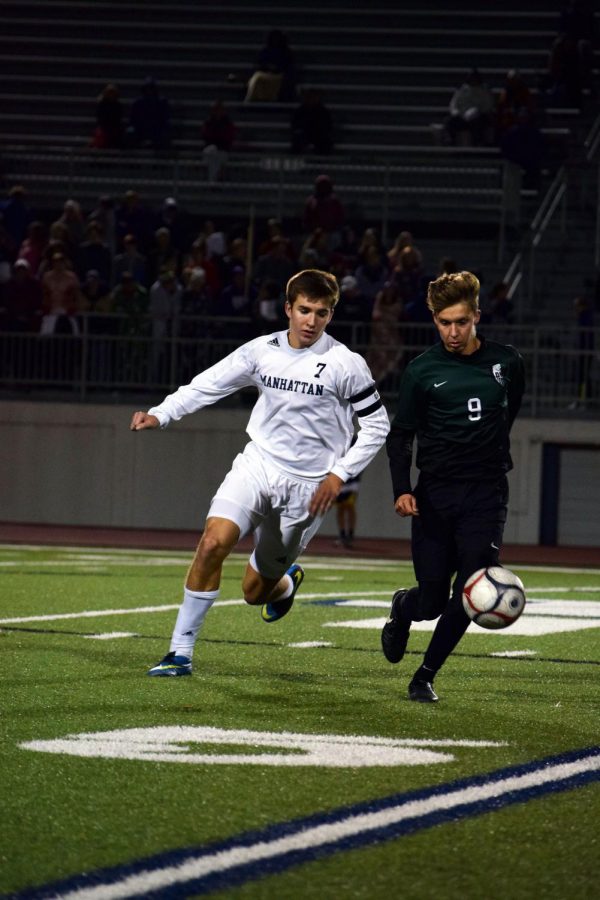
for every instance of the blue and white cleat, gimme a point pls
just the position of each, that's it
(272, 612)
(172, 665)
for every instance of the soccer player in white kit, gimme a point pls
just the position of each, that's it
(299, 456)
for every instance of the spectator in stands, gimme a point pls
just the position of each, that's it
(163, 256)
(411, 282)
(33, 247)
(234, 299)
(53, 246)
(275, 266)
(345, 256)
(109, 133)
(133, 217)
(96, 297)
(315, 253)
(268, 308)
(164, 307)
(62, 299)
(94, 254)
(196, 300)
(172, 217)
(104, 215)
(22, 300)
(16, 214)
(216, 244)
(150, 118)
(70, 229)
(237, 301)
(369, 238)
(385, 347)
(311, 125)
(404, 239)
(197, 308)
(514, 97)
(235, 259)
(523, 144)
(324, 209)
(59, 240)
(352, 321)
(471, 112)
(274, 78)
(218, 135)
(100, 322)
(275, 232)
(130, 300)
(371, 274)
(130, 260)
(197, 259)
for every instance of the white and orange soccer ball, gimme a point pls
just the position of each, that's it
(494, 597)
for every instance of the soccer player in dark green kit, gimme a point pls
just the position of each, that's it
(459, 399)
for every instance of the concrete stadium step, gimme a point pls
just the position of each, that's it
(363, 58)
(199, 93)
(244, 40)
(293, 15)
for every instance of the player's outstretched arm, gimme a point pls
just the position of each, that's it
(142, 420)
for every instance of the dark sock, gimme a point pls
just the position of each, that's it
(424, 674)
(408, 607)
(448, 631)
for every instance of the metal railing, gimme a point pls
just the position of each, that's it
(551, 215)
(105, 363)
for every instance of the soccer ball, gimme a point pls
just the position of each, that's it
(494, 597)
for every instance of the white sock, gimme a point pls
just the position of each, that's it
(189, 620)
(288, 590)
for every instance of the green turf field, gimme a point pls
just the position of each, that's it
(291, 765)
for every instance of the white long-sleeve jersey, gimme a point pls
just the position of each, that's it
(303, 418)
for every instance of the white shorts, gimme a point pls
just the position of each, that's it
(262, 499)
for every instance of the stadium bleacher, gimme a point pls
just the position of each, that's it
(386, 71)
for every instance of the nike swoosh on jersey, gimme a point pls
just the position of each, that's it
(439, 384)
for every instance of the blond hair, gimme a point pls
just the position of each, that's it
(457, 287)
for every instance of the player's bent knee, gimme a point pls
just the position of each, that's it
(256, 589)
(211, 547)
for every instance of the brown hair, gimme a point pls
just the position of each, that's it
(314, 284)
(457, 287)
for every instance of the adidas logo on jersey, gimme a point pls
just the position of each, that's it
(274, 342)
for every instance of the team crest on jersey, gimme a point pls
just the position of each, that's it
(274, 342)
(498, 374)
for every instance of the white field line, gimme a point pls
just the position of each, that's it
(99, 613)
(322, 562)
(110, 635)
(204, 864)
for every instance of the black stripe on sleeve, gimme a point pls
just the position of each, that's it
(363, 394)
(369, 409)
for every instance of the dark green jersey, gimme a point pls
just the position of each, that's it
(461, 409)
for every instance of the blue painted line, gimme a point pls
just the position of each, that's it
(240, 872)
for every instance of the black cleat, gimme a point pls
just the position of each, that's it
(394, 636)
(422, 691)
